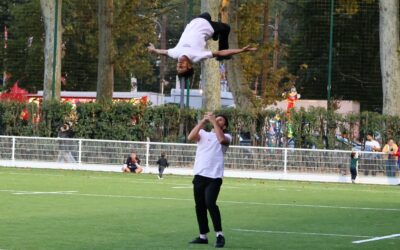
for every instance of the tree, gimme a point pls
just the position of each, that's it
(239, 88)
(210, 74)
(265, 51)
(51, 11)
(24, 56)
(390, 55)
(105, 70)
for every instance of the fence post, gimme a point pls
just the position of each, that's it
(285, 162)
(80, 152)
(147, 152)
(13, 149)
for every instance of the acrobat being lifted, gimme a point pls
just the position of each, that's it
(191, 47)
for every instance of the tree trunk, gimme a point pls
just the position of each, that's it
(210, 74)
(163, 45)
(52, 80)
(276, 43)
(240, 90)
(265, 63)
(390, 55)
(105, 69)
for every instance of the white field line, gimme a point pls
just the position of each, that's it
(377, 238)
(279, 188)
(139, 180)
(221, 201)
(183, 187)
(300, 233)
(52, 192)
(312, 206)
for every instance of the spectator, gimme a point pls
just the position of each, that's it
(162, 164)
(390, 150)
(64, 154)
(397, 155)
(132, 164)
(371, 145)
(354, 166)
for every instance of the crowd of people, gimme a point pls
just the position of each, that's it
(390, 156)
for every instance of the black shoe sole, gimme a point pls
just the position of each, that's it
(198, 241)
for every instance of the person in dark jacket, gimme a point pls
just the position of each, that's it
(66, 147)
(132, 164)
(162, 164)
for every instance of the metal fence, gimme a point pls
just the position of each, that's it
(114, 153)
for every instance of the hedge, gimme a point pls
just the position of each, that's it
(315, 127)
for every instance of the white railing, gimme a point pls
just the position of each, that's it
(111, 154)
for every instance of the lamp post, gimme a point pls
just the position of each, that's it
(5, 56)
(330, 54)
(163, 45)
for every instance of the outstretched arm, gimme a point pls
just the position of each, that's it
(153, 49)
(229, 52)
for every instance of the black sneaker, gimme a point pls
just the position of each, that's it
(220, 241)
(199, 240)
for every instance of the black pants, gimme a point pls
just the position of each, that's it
(206, 192)
(160, 171)
(353, 172)
(221, 31)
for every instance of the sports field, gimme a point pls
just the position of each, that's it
(55, 209)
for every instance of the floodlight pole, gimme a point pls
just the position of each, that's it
(5, 56)
(182, 97)
(187, 91)
(330, 53)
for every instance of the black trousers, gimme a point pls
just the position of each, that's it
(161, 171)
(221, 31)
(353, 172)
(206, 192)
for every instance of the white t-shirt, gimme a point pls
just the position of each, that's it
(193, 41)
(369, 145)
(209, 160)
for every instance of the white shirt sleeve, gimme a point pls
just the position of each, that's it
(200, 55)
(229, 137)
(173, 53)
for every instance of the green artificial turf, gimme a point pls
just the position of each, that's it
(125, 211)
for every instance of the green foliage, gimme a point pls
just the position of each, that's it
(52, 115)
(251, 15)
(24, 57)
(125, 121)
(10, 122)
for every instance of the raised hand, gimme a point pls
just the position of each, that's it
(151, 47)
(249, 48)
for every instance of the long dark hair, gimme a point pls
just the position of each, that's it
(188, 74)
